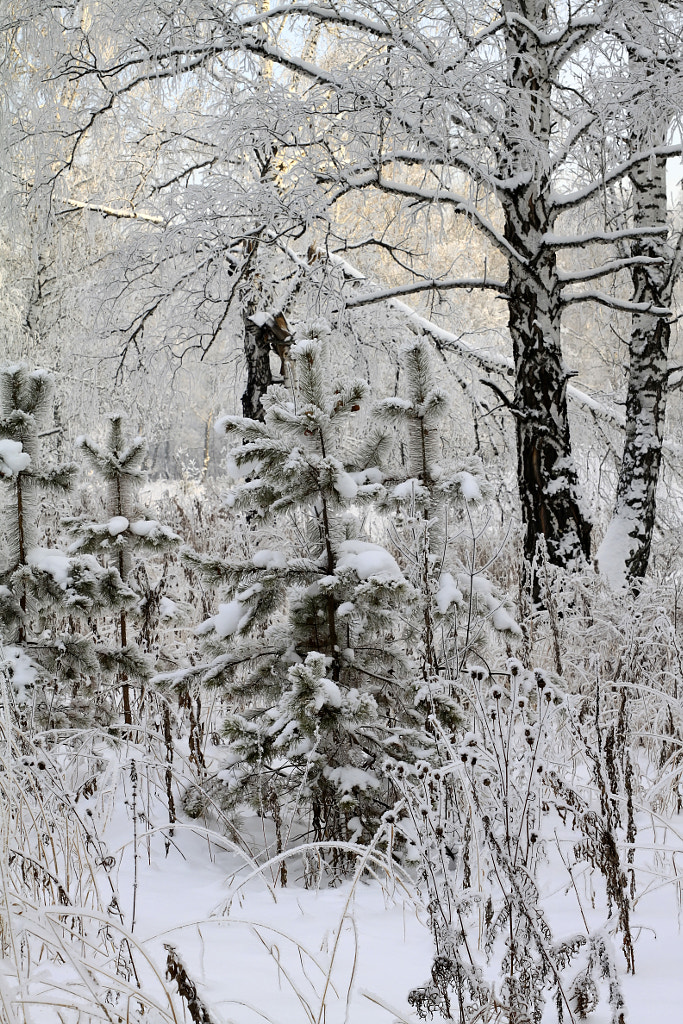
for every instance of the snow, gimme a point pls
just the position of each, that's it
(234, 616)
(305, 347)
(261, 954)
(469, 486)
(13, 459)
(265, 558)
(407, 489)
(230, 618)
(372, 475)
(368, 560)
(503, 621)
(484, 589)
(168, 609)
(397, 403)
(117, 525)
(448, 593)
(613, 553)
(345, 485)
(328, 695)
(144, 527)
(22, 672)
(51, 561)
(347, 779)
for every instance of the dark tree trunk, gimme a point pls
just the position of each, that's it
(259, 377)
(546, 477)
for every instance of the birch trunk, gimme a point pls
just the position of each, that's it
(624, 553)
(546, 477)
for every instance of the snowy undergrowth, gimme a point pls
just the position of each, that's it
(497, 835)
(112, 912)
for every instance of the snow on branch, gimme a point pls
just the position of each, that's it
(461, 205)
(489, 362)
(113, 211)
(614, 303)
(607, 237)
(382, 294)
(619, 171)
(319, 12)
(613, 267)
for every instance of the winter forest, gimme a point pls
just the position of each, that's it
(341, 447)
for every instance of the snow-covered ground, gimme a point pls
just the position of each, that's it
(350, 954)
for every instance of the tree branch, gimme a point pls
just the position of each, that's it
(434, 284)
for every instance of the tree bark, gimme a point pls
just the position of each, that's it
(546, 476)
(636, 500)
(259, 377)
(624, 554)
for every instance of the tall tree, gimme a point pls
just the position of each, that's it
(654, 62)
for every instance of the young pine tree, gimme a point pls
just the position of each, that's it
(430, 507)
(45, 593)
(308, 650)
(118, 463)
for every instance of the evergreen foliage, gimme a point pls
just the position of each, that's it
(118, 463)
(45, 593)
(327, 689)
(428, 508)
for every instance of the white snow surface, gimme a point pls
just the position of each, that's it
(485, 590)
(168, 609)
(234, 616)
(368, 560)
(345, 954)
(230, 618)
(345, 485)
(23, 673)
(328, 695)
(267, 559)
(13, 458)
(448, 593)
(615, 549)
(150, 528)
(255, 949)
(267, 960)
(52, 561)
(348, 779)
(469, 486)
(117, 525)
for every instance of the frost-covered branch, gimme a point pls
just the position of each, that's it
(613, 267)
(604, 299)
(433, 284)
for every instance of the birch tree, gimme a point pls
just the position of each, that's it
(483, 112)
(654, 59)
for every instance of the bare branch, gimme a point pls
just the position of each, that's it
(613, 267)
(614, 303)
(112, 211)
(435, 284)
